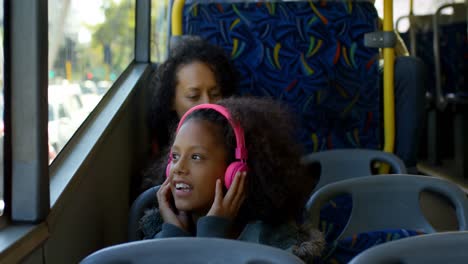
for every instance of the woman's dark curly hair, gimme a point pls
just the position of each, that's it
(277, 186)
(163, 82)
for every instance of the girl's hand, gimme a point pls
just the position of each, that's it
(169, 215)
(229, 205)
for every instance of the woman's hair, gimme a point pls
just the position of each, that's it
(277, 187)
(164, 81)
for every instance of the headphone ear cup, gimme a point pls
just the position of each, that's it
(168, 170)
(168, 167)
(231, 171)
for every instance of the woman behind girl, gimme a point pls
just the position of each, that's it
(196, 72)
(266, 195)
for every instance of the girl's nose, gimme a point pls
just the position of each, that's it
(179, 167)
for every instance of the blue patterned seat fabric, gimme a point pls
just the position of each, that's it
(308, 54)
(344, 250)
(333, 218)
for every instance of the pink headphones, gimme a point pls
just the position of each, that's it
(241, 151)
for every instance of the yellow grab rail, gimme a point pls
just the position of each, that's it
(388, 93)
(176, 17)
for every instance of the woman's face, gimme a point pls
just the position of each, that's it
(198, 160)
(195, 84)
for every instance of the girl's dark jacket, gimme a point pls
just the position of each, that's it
(304, 242)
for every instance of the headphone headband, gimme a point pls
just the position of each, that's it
(241, 150)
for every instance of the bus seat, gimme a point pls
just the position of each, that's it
(341, 164)
(445, 247)
(440, 41)
(308, 54)
(423, 47)
(450, 49)
(191, 250)
(384, 208)
(143, 202)
(410, 85)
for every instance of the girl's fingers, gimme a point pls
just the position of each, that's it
(163, 194)
(160, 191)
(162, 188)
(240, 194)
(166, 181)
(160, 195)
(233, 189)
(164, 185)
(218, 192)
(218, 200)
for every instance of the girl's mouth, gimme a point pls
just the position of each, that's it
(180, 186)
(183, 189)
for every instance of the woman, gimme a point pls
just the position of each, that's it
(196, 72)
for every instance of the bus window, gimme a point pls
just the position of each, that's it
(420, 7)
(2, 128)
(159, 30)
(90, 45)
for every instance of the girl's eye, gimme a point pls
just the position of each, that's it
(174, 156)
(196, 157)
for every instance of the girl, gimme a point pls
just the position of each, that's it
(196, 72)
(265, 197)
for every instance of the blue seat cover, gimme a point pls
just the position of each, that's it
(333, 218)
(344, 250)
(308, 54)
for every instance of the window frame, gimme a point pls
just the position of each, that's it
(31, 207)
(26, 85)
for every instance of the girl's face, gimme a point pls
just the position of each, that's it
(195, 84)
(198, 160)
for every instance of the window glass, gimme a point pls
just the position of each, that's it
(2, 204)
(91, 42)
(420, 7)
(159, 30)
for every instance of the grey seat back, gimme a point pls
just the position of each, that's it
(388, 202)
(341, 164)
(447, 247)
(192, 250)
(143, 202)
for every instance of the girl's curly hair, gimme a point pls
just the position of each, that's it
(277, 185)
(163, 82)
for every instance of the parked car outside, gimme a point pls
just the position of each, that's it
(65, 114)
